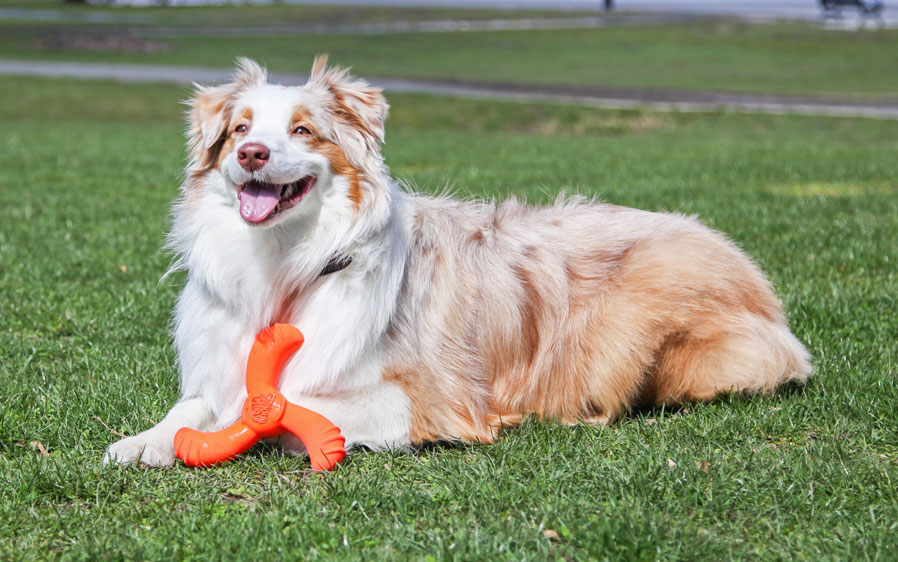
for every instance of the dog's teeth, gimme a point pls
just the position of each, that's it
(290, 190)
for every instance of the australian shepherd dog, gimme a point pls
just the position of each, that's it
(428, 318)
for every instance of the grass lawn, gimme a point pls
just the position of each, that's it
(809, 473)
(715, 55)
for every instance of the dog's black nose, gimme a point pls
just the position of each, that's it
(252, 156)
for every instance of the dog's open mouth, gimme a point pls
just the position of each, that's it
(261, 201)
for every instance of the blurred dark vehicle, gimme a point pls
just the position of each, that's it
(865, 7)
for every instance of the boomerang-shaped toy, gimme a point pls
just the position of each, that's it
(266, 412)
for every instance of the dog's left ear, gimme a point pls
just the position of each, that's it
(359, 108)
(211, 111)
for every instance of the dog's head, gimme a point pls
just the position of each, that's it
(285, 151)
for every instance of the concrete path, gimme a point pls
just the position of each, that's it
(374, 28)
(423, 26)
(612, 98)
(627, 12)
(752, 10)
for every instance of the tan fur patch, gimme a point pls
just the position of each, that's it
(227, 147)
(205, 106)
(476, 238)
(433, 416)
(531, 309)
(330, 150)
(302, 117)
(245, 117)
(340, 167)
(345, 113)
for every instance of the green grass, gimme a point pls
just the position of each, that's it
(793, 59)
(809, 473)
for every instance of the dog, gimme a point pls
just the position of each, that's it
(427, 318)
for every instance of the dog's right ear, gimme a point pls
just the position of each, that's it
(210, 113)
(359, 108)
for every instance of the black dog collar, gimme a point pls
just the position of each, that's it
(336, 264)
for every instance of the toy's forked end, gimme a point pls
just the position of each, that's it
(285, 334)
(199, 448)
(330, 453)
(324, 442)
(272, 349)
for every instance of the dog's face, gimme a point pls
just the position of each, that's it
(285, 152)
(272, 156)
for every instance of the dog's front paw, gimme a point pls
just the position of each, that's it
(148, 448)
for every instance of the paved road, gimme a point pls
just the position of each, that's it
(420, 26)
(762, 10)
(614, 98)
(752, 10)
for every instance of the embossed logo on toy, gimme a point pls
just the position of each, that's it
(261, 406)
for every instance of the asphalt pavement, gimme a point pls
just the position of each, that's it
(612, 98)
(751, 10)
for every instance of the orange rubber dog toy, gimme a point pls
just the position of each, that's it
(266, 412)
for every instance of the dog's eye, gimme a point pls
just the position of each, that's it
(302, 131)
(240, 129)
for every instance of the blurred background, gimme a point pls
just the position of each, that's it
(775, 122)
(639, 51)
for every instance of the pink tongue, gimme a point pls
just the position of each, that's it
(257, 201)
